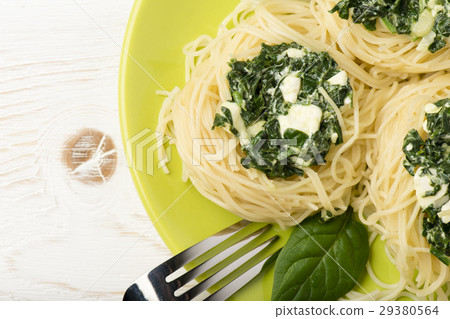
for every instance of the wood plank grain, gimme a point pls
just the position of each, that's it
(61, 239)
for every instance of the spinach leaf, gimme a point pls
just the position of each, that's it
(442, 29)
(437, 234)
(412, 145)
(321, 260)
(400, 16)
(261, 90)
(432, 157)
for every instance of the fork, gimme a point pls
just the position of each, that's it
(217, 267)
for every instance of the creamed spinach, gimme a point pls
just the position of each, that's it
(426, 19)
(429, 162)
(280, 108)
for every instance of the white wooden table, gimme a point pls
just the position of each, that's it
(66, 235)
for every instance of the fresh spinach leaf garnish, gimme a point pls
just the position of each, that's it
(321, 260)
(280, 108)
(429, 162)
(426, 19)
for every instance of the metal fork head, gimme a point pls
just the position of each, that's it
(220, 265)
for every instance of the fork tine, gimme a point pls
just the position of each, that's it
(208, 264)
(158, 276)
(220, 259)
(202, 247)
(228, 290)
(207, 283)
(188, 255)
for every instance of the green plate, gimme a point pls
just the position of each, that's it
(152, 60)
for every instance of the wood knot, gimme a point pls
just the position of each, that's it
(91, 156)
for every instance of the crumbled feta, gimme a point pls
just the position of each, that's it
(254, 129)
(339, 79)
(431, 108)
(238, 122)
(290, 87)
(348, 100)
(334, 137)
(422, 185)
(304, 118)
(444, 214)
(294, 53)
(426, 42)
(301, 163)
(435, 8)
(424, 25)
(425, 126)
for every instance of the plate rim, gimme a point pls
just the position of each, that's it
(124, 60)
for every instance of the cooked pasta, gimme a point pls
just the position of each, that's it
(387, 201)
(366, 170)
(389, 53)
(248, 192)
